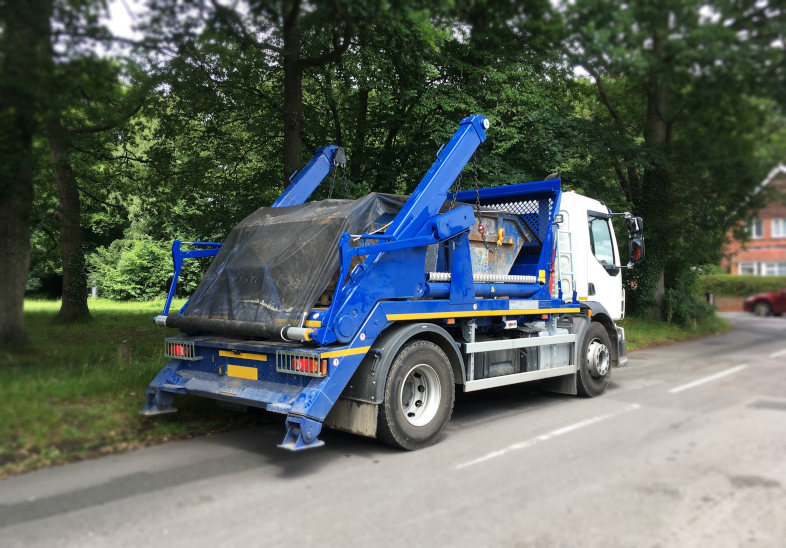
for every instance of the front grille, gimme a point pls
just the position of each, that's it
(181, 350)
(300, 363)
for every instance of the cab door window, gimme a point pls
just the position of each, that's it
(600, 240)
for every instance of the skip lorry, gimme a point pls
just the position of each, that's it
(367, 315)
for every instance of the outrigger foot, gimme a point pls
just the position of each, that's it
(302, 434)
(157, 403)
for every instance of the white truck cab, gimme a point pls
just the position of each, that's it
(589, 260)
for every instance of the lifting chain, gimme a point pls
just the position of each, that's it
(332, 184)
(333, 181)
(481, 228)
(346, 183)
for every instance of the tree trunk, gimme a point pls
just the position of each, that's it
(73, 305)
(330, 99)
(16, 195)
(654, 197)
(361, 127)
(293, 87)
(25, 35)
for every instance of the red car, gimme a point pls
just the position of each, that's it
(764, 304)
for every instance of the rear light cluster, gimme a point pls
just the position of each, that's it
(181, 350)
(301, 363)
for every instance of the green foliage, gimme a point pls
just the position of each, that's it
(683, 304)
(728, 285)
(131, 270)
(711, 269)
(140, 270)
(684, 119)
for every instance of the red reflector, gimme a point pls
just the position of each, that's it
(178, 350)
(302, 364)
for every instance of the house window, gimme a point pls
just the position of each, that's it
(756, 229)
(748, 268)
(779, 228)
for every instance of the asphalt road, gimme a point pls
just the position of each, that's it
(685, 449)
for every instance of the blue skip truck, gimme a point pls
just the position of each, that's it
(367, 315)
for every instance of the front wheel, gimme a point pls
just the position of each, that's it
(761, 309)
(594, 362)
(419, 396)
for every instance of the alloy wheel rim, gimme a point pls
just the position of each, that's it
(598, 358)
(420, 395)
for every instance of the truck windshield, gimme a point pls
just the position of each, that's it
(600, 240)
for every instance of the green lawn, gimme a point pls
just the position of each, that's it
(74, 390)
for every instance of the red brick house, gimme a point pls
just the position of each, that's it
(765, 253)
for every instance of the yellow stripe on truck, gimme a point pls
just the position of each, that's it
(345, 352)
(242, 372)
(471, 313)
(242, 355)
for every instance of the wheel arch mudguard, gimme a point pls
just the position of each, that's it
(368, 382)
(601, 315)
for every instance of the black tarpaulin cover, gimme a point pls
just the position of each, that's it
(276, 263)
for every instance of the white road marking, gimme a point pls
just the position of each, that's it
(714, 377)
(544, 437)
(778, 354)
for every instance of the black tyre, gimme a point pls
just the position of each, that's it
(594, 362)
(419, 396)
(761, 309)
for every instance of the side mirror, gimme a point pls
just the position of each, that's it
(635, 250)
(635, 226)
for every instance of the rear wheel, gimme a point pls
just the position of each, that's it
(419, 396)
(761, 309)
(594, 362)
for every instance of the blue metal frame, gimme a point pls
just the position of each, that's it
(203, 249)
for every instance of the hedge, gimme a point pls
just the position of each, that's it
(728, 285)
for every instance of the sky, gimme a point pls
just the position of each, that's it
(121, 17)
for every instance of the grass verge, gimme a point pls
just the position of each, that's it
(73, 391)
(641, 333)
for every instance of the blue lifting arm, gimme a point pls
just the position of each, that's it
(430, 194)
(308, 179)
(394, 268)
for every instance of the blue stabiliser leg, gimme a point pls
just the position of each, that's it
(302, 433)
(158, 402)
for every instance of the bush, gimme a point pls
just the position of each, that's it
(140, 270)
(728, 285)
(682, 303)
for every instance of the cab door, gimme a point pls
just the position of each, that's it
(604, 274)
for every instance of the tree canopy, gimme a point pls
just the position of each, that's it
(673, 110)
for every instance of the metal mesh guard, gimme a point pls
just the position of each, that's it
(530, 211)
(181, 350)
(300, 363)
